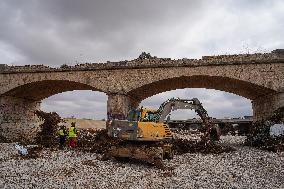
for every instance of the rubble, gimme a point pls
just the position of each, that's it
(98, 141)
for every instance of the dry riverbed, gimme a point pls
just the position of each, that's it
(244, 168)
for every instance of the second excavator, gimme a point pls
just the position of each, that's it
(145, 136)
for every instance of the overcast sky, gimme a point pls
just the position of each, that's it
(57, 32)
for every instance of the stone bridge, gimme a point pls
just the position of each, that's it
(258, 77)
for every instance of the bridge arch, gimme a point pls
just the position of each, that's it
(265, 98)
(40, 90)
(17, 106)
(239, 87)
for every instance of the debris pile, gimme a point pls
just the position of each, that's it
(3, 139)
(181, 146)
(96, 141)
(276, 55)
(260, 136)
(47, 136)
(191, 142)
(86, 138)
(188, 135)
(227, 128)
(99, 142)
(278, 116)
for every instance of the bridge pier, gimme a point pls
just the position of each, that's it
(263, 107)
(17, 118)
(118, 106)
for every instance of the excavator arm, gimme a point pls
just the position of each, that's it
(193, 104)
(176, 104)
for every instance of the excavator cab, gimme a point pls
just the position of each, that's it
(149, 115)
(143, 115)
(140, 125)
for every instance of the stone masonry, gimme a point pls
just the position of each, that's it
(17, 118)
(258, 77)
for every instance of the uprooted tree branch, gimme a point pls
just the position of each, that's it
(47, 136)
(260, 136)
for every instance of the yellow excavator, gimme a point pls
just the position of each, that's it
(145, 136)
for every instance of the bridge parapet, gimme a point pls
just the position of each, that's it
(275, 56)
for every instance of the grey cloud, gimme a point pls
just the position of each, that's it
(69, 31)
(56, 32)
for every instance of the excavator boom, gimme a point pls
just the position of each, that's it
(211, 131)
(176, 104)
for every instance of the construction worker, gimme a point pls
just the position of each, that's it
(72, 135)
(62, 136)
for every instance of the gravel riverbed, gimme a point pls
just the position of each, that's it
(244, 168)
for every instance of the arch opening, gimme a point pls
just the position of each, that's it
(80, 104)
(218, 104)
